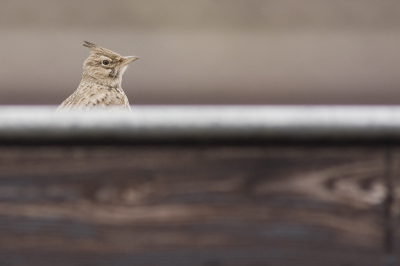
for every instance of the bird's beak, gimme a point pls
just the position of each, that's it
(129, 59)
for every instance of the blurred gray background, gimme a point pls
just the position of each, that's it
(207, 52)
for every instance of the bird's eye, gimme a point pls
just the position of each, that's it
(106, 62)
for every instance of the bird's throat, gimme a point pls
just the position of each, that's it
(113, 82)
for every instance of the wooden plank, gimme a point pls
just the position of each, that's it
(199, 205)
(392, 207)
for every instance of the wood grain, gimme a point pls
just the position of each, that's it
(202, 205)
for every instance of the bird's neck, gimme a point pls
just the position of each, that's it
(106, 82)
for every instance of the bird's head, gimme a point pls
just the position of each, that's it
(105, 66)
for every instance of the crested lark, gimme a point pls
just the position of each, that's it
(101, 82)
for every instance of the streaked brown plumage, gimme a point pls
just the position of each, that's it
(101, 81)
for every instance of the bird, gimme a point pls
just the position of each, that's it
(100, 86)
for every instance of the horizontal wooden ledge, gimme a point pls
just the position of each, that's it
(364, 125)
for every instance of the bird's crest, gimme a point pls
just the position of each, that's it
(100, 50)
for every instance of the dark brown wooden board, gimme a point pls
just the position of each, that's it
(394, 189)
(202, 205)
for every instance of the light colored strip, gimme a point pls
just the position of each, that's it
(203, 123)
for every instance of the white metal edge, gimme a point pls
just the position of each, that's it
(205, 122)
